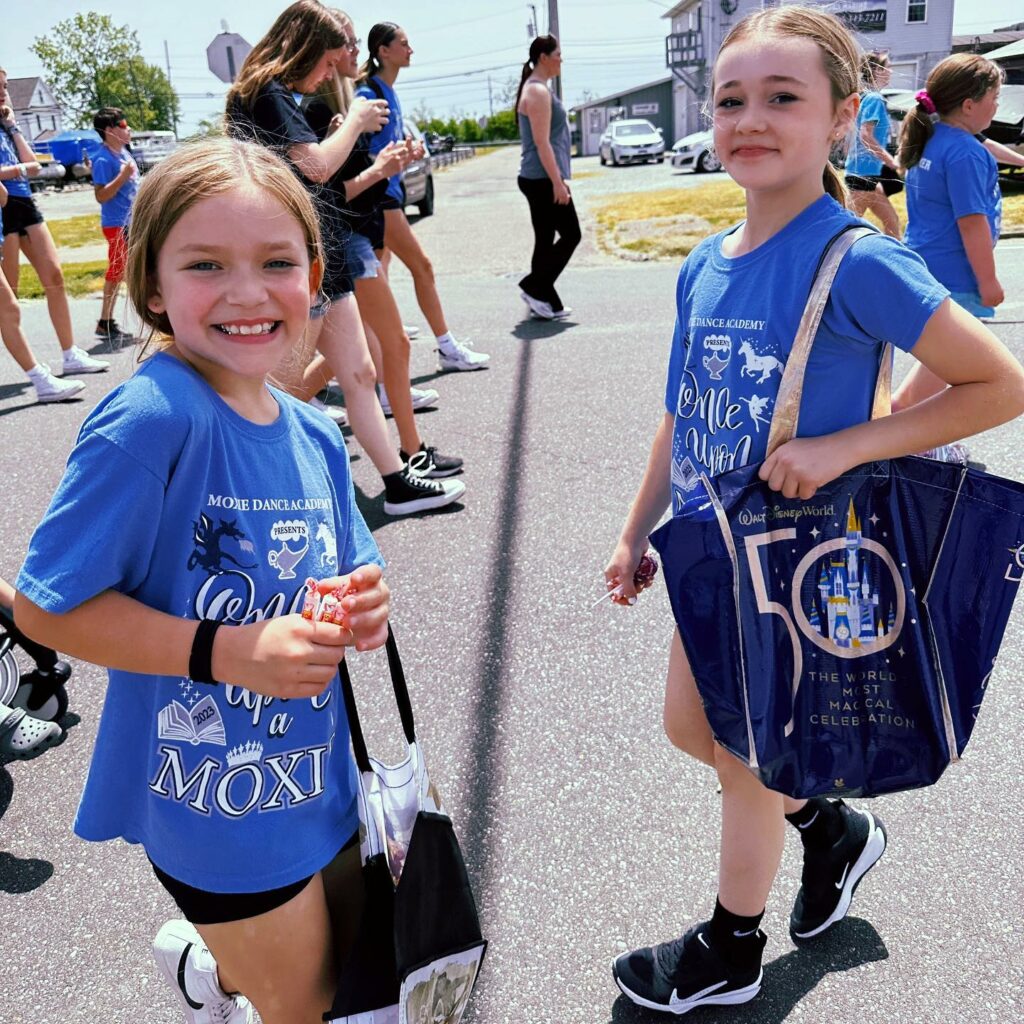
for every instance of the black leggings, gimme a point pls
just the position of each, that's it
(549, 257)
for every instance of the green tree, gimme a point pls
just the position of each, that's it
(502, 125)
(89, 61)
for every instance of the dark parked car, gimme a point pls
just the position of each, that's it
(440, 143)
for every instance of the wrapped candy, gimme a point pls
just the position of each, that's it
(339, 611)
(328, 607)
(646, 570)
(311, 600)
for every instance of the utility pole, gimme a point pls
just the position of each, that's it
(531, 28)
(490, 95)
(167, 57)
(556, 83)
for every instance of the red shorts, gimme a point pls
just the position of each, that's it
(117, 252)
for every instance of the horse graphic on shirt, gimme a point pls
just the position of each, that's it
(755, 364)
(208, 553)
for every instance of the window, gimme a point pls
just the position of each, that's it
(917, 10)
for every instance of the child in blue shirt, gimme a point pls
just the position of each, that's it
(954, 205)
(784, 90)
(223, 747)
(115, 179)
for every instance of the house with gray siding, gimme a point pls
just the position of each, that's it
(917, 34)
(652, 101)
(38, 114)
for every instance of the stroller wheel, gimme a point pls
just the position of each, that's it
(42, 694)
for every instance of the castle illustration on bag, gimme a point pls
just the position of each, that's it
(849, 615)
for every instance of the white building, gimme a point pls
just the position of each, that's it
(38, 114)
(917, 34)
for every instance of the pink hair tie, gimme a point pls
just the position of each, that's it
(928, 103)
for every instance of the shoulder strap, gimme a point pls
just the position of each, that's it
(401, 698)
(785, 418)
(376, 87)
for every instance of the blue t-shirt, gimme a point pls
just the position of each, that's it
(736, 321)
(9, 157)
(174, 499)
(393, 131)
(106, 166)
(861, 160)
(955, 177)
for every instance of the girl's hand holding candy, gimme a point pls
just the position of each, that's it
(627, 574)
(360, 603)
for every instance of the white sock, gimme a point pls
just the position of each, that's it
(446, 340)
(69, 353)
(38, 372)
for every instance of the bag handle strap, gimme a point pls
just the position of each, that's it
(401, 698)
(786, 416)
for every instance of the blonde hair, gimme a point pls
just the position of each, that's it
(193, 173)
(963, 76)
(289, 51)
(839, 52)
(338, 91)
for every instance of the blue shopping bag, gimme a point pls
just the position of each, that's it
(843, 645)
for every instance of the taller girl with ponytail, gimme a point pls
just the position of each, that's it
(785, 87)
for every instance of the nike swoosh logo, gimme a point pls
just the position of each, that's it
(181, 979)
(700, 939)
(842, 881)
(743, 935)
(809, 823)
(674, 999)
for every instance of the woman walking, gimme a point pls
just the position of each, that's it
(872, 174)
(389, 52)
(299, 53)
(544, 175)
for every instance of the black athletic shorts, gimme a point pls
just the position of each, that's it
(890, 181)
(201, 907)
(20, 214)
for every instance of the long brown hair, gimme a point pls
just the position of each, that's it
(289, 51)
(382, 34)
(839, 52)
(964, 76)
(198, 171)
(541, 45)
(871, 63)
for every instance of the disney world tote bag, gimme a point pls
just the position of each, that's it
(419, 948)
(843, 645)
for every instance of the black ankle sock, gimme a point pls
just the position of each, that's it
(818, 822)
(734, 936)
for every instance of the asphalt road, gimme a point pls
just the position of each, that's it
(585, 832)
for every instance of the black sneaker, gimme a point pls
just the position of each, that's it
(108, 330)
(410, 493)
(831, 876)
(429, 462)
(680, 975)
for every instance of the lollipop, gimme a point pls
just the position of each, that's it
(646, 570)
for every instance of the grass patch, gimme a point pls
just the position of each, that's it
(668, 223)
(76, 231)
(80, 279)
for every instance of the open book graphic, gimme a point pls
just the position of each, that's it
(201, 724)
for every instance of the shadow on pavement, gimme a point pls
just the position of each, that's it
(17, 874)
(850, 944)
(492, 656)
(536, 330)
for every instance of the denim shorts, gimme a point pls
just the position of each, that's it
(971, 301)
(360, 258)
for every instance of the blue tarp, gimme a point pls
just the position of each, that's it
(67, 146)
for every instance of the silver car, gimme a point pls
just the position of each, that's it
(627, 141)
(695, 152)
(418, 177)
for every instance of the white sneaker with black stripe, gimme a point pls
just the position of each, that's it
(191, 971)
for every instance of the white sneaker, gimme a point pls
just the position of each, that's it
(77, 360)
(421, 398)
(53, 389)
(191, 972)
(561, 314)
(541, 310)
(459, 355)
(410, 331)
(334, 412)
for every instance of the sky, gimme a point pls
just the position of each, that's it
(461, 46)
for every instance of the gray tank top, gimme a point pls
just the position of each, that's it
(530, 166)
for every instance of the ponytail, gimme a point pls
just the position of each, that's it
(953, 81)
(382, 34)
(541, 45)
(834, 184)
(527, 69)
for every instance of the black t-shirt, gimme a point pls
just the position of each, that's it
(363, 212)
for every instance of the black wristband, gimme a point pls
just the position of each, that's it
(200, 660)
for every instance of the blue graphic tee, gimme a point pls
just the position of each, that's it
(955, 177)
(8, 158)
(736, 321)
(861, 160)
(174, 499)
(393, 131)
(116, 212)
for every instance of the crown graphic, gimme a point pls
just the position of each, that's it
(245, 753)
